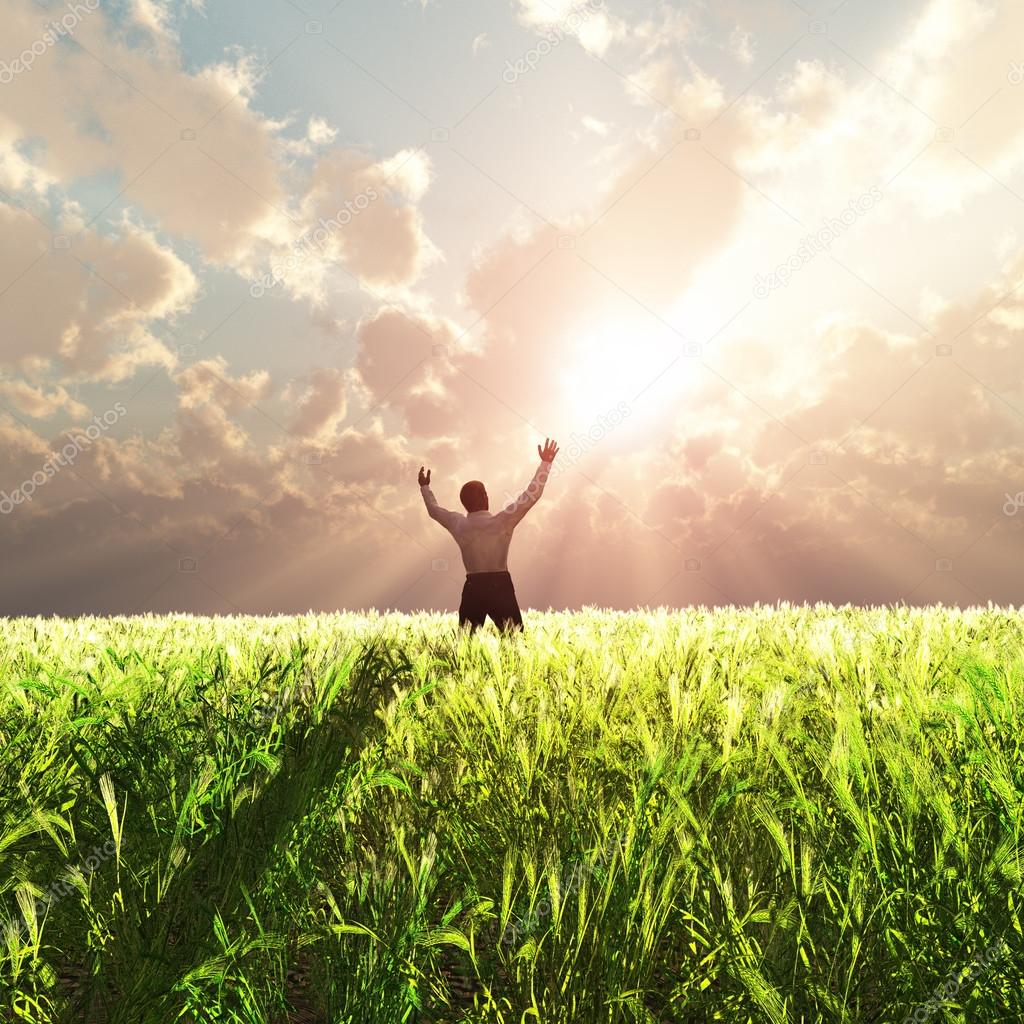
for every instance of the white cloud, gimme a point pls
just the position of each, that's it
(587, 22)
(741, 46)
(39, 403)
(320, 133)
(322, 404)
(209, 382)
(87, 307)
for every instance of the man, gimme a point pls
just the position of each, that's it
(483, 539)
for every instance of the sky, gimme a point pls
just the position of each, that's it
(757, 265)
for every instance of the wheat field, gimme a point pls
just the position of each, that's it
(782, 813)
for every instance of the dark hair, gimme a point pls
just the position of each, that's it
(473, 496)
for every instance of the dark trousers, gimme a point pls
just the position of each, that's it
(489, 593)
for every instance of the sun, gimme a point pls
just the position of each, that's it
(615, 365)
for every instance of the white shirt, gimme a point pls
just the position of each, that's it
(483, 537)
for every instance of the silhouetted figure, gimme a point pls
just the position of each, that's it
(483, 539)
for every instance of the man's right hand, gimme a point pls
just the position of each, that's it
(424, 478)
(549, 451)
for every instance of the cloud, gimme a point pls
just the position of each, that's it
(152, 15)
(595, 125)
(322, 405)
(320, 133)
(362, 213)
(741, 46)
(369, 458)
(592, 26)
(39, 403)
(220, 190)
(19, 439)
(209, 382)
(922, 123)
(156, 16)
(824, 443)
(192, 153)
(211, 439)
(85, 302)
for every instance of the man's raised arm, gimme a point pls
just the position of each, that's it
(443, 515)
(514, 512)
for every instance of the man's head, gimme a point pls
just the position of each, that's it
(474, 496)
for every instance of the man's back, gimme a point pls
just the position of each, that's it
(484, 537)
